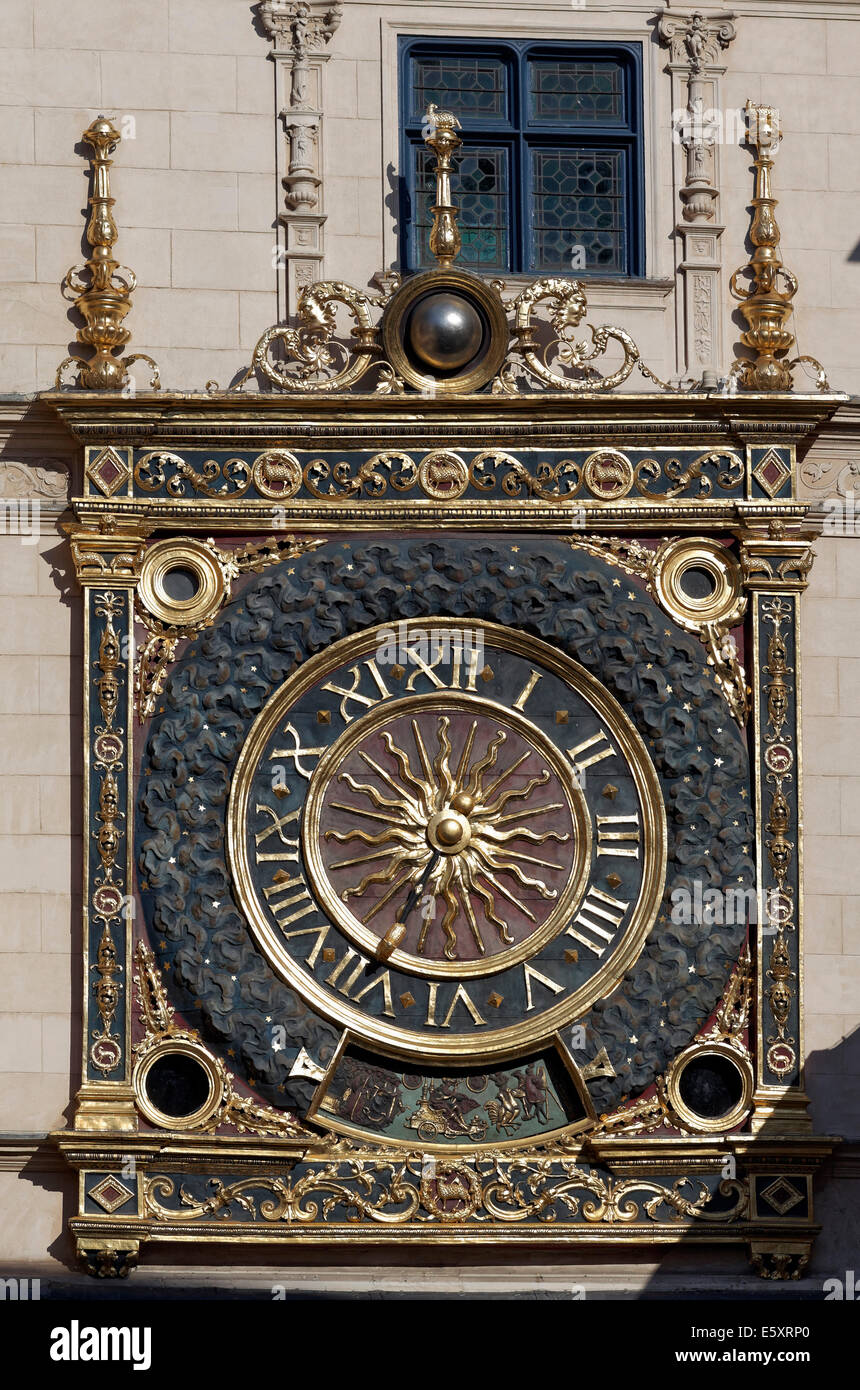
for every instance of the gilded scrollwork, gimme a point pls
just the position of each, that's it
(565, 304)
(605, 474)
(490, 1188)
(160, 468)
(313, 358)
(682, 478)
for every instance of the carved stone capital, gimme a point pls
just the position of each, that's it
(695, 41)
(298, 27)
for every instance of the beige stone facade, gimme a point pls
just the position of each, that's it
(197, 87)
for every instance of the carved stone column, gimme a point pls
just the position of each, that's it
(300, 32)
(776, 558)
(695, 44)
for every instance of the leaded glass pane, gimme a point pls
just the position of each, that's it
(481, 188)
(469, 85)
(575, 92)
(579, 201)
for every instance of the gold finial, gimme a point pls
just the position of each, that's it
(765, 307)
(441, 135)
(104, 297)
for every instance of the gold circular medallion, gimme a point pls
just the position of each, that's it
(698, 581)
(277, 474)
(445, 332)
(443, 475)
(608, 474)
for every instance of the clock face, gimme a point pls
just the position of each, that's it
(448, 838)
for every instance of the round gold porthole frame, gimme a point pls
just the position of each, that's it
(166, 555)
(700, 1124)
(725, 605)
(488, 300)
(185, 1048)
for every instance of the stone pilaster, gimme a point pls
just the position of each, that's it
(699, 123)
(300, 32)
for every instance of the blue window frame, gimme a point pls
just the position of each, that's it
(551, 159)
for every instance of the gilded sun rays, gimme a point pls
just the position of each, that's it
(446, 835)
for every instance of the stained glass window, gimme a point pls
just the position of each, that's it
(569, 91)
(549, 174)
(468, 85)
(579, 202)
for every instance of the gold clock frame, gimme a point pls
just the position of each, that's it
(502, 1042)
(642, 1157)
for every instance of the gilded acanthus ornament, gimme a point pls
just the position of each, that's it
(103, 286)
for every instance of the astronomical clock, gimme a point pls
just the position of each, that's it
(443, 812)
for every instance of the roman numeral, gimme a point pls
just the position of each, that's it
(297, 752)
(597, 909)
(320, 931)
(282, 883)
(625, 829)
(520, 702)
(278, 822)
(352, 695)
(602, 749)
(461, 996)
(348, 971)
(532, 974)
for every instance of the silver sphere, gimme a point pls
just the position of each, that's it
(445, 331)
